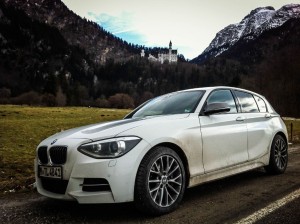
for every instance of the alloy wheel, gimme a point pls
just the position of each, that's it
(165, 180)
(280, 153)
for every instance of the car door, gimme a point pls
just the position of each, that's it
(258, 121)
(224, 135)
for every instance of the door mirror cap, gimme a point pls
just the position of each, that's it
(215, 108)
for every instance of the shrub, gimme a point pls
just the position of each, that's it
(49, 100)
(121, 101)
(102, 103)
(5, 95)
(30, 98)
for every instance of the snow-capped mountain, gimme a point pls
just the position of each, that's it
(252, 26)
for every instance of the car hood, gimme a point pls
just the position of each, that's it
(106, 130)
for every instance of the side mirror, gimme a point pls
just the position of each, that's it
(215, 108)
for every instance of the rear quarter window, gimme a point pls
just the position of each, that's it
(261, 104)
(247, 102)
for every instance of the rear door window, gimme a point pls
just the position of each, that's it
(247, 102)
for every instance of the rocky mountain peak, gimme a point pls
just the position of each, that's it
(260, 10)
(252, 26)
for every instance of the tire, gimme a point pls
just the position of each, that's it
(278, 156)
(160, 182)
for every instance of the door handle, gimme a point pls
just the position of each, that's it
(240, 118)
(268, 116)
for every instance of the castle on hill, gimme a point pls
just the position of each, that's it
(169, 55)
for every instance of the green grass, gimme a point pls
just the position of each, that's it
(22, 128)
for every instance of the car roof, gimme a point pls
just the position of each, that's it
(222, 87)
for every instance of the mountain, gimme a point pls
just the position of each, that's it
(99, 44)
(250, 28)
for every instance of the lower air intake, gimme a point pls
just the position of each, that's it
(95, 184)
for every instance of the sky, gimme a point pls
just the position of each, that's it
(190, 24)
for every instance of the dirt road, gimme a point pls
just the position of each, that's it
(225, 201)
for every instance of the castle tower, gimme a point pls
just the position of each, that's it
(170, 51)
(143, 53)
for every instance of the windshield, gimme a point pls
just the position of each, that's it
(173, 103)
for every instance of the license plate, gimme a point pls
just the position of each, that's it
(50, 172)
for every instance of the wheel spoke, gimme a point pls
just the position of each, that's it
(156, 193)
(169, 195)
(155, 172)
(170, 166)
(167, 167)
(173, 170)
(281, 145)
(155, 189)
(277, 143)
(161, 195)
(162, 164)
(157, 167)
(174, 179)
(166, 196)
(277, 161)
(282, 159)
(173, 189)
(154, 181)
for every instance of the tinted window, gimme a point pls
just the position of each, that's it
(261, 104)
(223, 96)
(173, 103)
(247, 102)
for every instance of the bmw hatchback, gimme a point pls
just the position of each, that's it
(170, 143)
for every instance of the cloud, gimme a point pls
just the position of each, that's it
(121, 26)
(144, 31)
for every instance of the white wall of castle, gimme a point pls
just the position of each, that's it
(170, 57)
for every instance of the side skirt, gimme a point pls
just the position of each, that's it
(230, 171)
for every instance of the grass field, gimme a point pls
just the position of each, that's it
(22, 128)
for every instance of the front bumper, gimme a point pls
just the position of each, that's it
(120, 174)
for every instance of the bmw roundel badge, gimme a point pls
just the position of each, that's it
(55, 140)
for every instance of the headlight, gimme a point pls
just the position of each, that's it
(109, 148)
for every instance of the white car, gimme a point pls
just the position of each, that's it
(169, 143)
